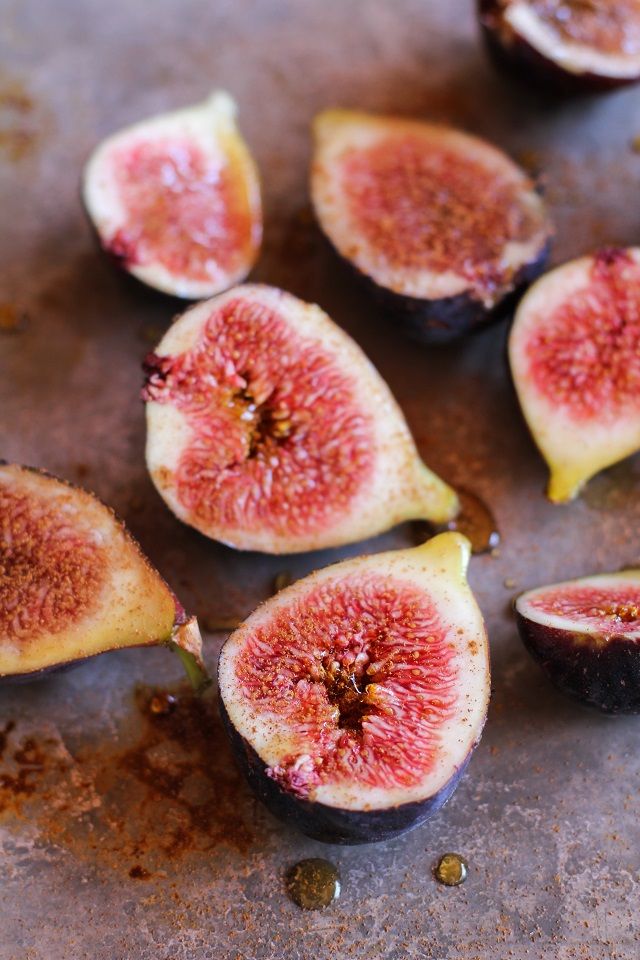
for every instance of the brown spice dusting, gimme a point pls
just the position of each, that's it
(313, 884)
(50, 575)
(12, 319)
(172, 792)
(17, 132)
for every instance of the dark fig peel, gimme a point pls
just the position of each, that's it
(74, 584)
(586, 636)
(354, 697)
(443, 225)
(565, 45)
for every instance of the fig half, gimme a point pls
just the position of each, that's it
(444, 225)
(570, 45)
(574, 351)
(586, 635)
(73, 582)
(176, 200)
(354, 697)
(269, 429)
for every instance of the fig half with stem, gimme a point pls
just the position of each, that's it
(176, 199)
(574, 351)
(74, 583)
(586, 635)
(566, 45)
(269, 429)
(354, 697)
(444, 226)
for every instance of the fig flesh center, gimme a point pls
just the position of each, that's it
(612, 611)
(421, 206)
(607, 27)
(585, 356)
(361, 676)
(280, 440)
(50, 574)
(184, 210)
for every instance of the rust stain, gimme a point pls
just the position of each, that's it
(137, 807)
(18, 130)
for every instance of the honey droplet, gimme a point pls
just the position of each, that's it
(451, 869)
(313, 884)
(476, 522)
(162, 704)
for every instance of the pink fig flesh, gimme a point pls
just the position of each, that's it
(575, 357)
(586, 635)
(567, 44)
(358, 693)
(73, 583)
(268, 429)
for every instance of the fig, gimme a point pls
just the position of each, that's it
(566, 45)
(176, 200)
(586, 635)
(269, 429)
(355, 697)
(444, 226)
(574, 351)
(73, 582)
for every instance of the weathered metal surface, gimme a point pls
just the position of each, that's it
(128, 835)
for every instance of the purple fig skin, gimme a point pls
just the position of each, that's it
(603, 675)
(331, 824)
(518, 58)
(449, 318)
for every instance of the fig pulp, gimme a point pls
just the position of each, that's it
(73, 582)
(571, 45)
(574, 351)
(268, 429)
(355, 697)
(586, 635)
(176, 200)
(444, 225)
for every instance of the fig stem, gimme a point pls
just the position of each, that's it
(193, 667)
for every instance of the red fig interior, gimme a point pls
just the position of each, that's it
(424, 211)
(176, 199)
(73, 583)
(365, 685)
(603, 606)
(268, 429)
(575, 357)
(597, 38)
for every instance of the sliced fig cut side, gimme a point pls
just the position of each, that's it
(574, 351)
(74, 584)
(445, 226)
(568, 45)
(268, 429)
(586, 635)
(354, 697)
(176, 200)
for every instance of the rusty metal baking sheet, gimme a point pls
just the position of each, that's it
(128, 836)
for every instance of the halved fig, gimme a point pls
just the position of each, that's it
(586, 635)
(443, 224)
(269, 429)
(572, 45)
(574, 351)
(176, 199)
(74, 583)
(354, 697)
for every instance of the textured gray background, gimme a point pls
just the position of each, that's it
(90, 788)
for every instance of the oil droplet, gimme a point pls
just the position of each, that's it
(476, 522)
(162, 704)
(313, 884)
(451, 869)
(282, 580)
